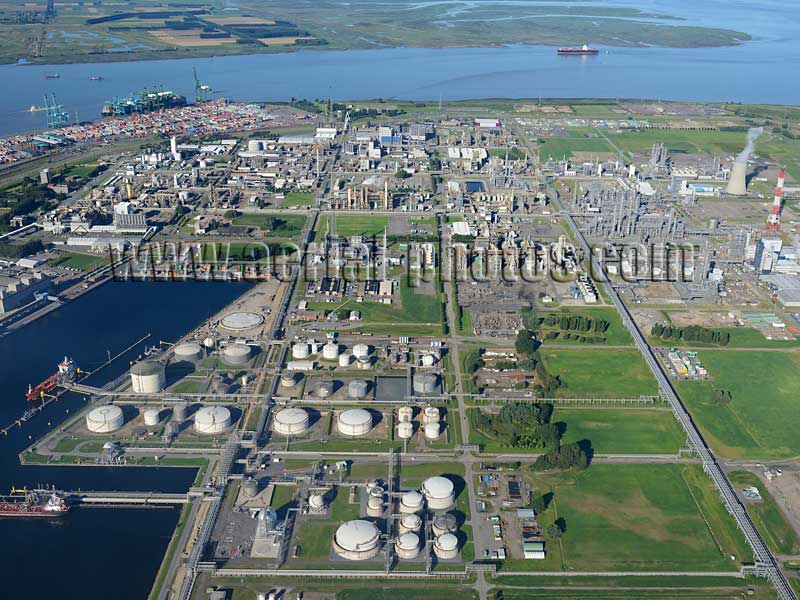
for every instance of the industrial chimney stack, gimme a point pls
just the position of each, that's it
(774, 220)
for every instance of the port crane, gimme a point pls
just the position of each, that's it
(201, 90)
(56, 115)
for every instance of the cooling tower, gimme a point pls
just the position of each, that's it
(737, 186)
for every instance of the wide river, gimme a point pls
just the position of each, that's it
(92, 553)
(762, 70)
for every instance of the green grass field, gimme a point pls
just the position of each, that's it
(365, 225)
(593, 372)
(273, 225)
(616, 335)
(768, 518)
(641, 517)
(82, 262)
(298, 199)
(741, 337)
(764, 388)
(557, 148)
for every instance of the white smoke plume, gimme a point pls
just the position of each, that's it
(752, 136)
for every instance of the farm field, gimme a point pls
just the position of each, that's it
(593, 372)
(364, 225)
(556, 148)
(642, 517)
(763, 386)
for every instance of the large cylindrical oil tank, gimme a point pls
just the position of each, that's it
(439, 492)
(291, 421)
(357, 540)
(405, 429)
(211, 420)
(430, 415)
(444, 523)
(446, 546)
(300, 351)
(374, 506)
(324, 389)
(425, 383)
(357, 389)
(344, 360)
(236, 354)
(179, 411)
(288, 379)
(410, 522)
(152, 417)
(407, 545)
(330, 351)
(405, 413)
(365, 362)
(411, 502)
(250, 487)
(432, 431)
(360, 351)
(105, 419)
(428, 360)
(147, 377)
(188, 351)
(354, 422)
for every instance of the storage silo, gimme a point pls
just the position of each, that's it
(152, 417)
(357, 540)
(439, 492)
(300, 351)
(179, 411)
(288, 379)
(357, 389)
(316, 503)
(148, 377)
(250, 487)
(236, 354)
(360, 351)
(428, 360)
(446, 546)
(425, 383)
(330, 351)
(374, 506)
(444, 523)
(210, 343)
(344, 360)
(365, 362)
(411, 502)
(407, 545)
(324, 389)
(188, 351)
(354, 422)
(432, 431)
(411, 522)
(405, 429)
(430, 415)
(291, 421)
(105, 419)
(211, 420)
(405, 413)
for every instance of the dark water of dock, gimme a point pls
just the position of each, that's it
(93, 553)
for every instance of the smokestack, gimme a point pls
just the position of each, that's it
(774, 220)
(737, 186)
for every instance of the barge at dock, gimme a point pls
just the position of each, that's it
(33, 503)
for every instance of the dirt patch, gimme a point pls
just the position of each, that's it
(786, 491)
(284, 41)
(188, 37)
(239, 21)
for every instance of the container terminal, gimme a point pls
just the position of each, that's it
(341, 425)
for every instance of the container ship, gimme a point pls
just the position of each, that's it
(579, 51)
(66, 372)
(147, 100)
(33, 503)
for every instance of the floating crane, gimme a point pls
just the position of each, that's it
(201, 90)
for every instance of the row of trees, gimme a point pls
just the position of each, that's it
(692, 333)
(566, 322)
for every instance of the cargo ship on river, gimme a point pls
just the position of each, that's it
(33, 503)
(578, 51)
(146, 100)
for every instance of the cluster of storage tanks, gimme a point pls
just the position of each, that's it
(332, 352)
(208, 420)
(431, 422)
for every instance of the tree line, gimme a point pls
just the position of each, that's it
(692, 333)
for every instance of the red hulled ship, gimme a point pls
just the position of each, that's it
(66, 372)
(33, 503)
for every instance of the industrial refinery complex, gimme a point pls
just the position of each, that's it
(481, 349)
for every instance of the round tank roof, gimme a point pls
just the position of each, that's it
(412, 499)
(447, 541)
(147, 367)
(292, 416)
(357, 535)
(211, 415)
(239, 321)
(437, 487)
(188, 348)
(108, 413)
(408, 541)
(316, 501)
(411, 521)
(355, 416)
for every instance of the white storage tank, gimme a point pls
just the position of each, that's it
(147, 377)
(407, 545)
(364, 362)
(425, 383)
(325, 389)
(330, 351)
(152, 417)
(300, 351)
(357, 389)
(360, 351)
(405, 429)
(354, 422)
(431, 415)
(105, 419)
(446, 546)
(405, 413)
(209, 342)
(357, 540)
(432, 431)
(428, 360)
(374, 506)
(288, 379)
(179, 411)
(188, 351)
(444, 523)
(250, 487)
(211, 420)
(410, 522)
(439, 492)
(236, 354)
(411, 502)
(344, 360)
(316, 503)
(291, 421)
